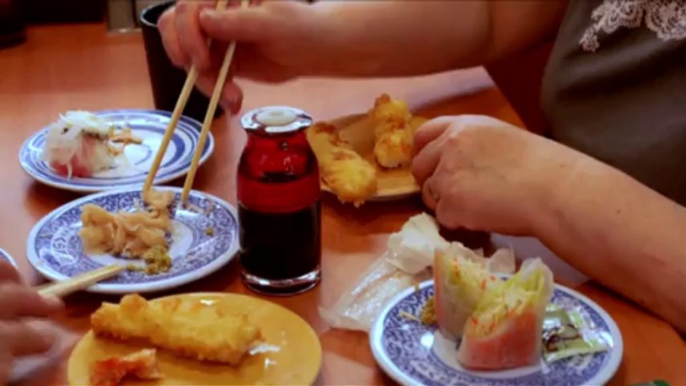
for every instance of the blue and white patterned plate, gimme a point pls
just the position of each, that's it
(54, 247)
(132, 169)
(6, 256)
(415, 354)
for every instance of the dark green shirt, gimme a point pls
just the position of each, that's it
(615, 88)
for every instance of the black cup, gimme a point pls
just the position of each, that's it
(12, 29)
(166, 79)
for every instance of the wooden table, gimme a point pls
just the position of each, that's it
(68, 67)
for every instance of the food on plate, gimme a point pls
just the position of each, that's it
(459, 286)
(394, 136)
(505, 330)
(139, 365)
(141, 234)
(79, 144)
(190, 328)
(407, 262)
(350, 176)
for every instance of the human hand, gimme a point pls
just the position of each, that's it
(480, 173)
(276, 42)
(17, 303)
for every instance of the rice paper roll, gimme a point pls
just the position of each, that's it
(506, 328)
(459, 284)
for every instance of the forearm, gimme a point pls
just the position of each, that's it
(387, 38)
(399, 38)
(623, 235)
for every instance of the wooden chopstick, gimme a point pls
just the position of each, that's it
(77, 283)
(209, 116)
(188, 86)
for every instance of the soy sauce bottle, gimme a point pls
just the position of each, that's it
(279, 207)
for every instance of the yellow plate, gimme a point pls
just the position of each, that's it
(393, 184)
(293, 353)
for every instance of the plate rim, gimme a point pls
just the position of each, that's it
(8, 258)
(121, 289)
(381, 357)
(310, 329)
(97, 189)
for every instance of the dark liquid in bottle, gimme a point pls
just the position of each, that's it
(279, 213)
(280, 246)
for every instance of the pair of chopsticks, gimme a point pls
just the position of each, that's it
(77, 283)
(86, 280)
(209, 116)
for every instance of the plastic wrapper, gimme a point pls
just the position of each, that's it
(359, 306)
(570, 332)
(406, 263)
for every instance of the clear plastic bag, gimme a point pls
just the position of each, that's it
(406, 263)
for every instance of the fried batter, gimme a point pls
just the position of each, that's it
(140, 365)
(349, 176)
(185, 326)
(393, 131)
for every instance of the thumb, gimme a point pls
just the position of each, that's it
(249, 24)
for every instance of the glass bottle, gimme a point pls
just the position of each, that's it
(279, 208)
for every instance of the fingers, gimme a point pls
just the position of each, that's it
(8, 273)
(429, 195)
(232, 95)
(447, 215)
(24, 339)
(240, 24)
(430, 131)
(19, 301)
(189, 35)
(424, 164)
(170, 39)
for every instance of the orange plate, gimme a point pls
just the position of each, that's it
(293, 354)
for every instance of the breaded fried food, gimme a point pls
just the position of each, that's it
(139, 365)
(187, 327)
(349, 176)
(393, 131)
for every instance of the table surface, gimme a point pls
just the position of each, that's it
(82, 66)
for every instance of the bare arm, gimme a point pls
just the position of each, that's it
(418, 37)
(623, 235)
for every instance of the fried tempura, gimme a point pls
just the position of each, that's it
(393, 131)
(111, 372)
(187, 327)
(349, 176)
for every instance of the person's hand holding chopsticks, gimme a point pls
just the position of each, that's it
(279, 40)
(19, 302)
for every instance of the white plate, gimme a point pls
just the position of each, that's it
(131, 170)
(6, 256)
(54, 246)
(415, 354)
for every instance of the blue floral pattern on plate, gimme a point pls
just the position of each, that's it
(131, 170)
(410, 352)
(54, 246)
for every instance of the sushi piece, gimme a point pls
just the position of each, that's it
(505, 330)
(459, 285)
(77, 145)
